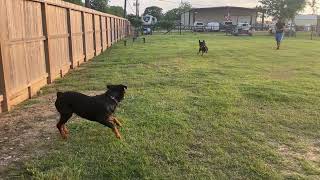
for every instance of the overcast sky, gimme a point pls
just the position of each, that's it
(170, 4)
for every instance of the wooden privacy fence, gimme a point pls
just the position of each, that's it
(40, 40)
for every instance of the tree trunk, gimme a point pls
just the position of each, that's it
(87, 3)
(290, 31)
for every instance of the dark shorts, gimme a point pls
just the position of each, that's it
(279, 36)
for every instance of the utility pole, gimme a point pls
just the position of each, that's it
(181, 18)
(125, 9)
(137, 8)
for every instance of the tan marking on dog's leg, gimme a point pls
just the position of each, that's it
(116, 132)
(62, 132)
(116, 120)
(65, 129)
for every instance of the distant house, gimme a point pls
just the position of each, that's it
(220, 14)
(307, 20)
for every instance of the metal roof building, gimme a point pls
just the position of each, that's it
(220, 14)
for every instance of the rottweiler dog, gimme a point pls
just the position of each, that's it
(203, 47)
(99, 108)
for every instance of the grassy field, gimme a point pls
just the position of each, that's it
(243, 111)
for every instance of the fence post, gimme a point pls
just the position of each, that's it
(84, 37)
(107, 26)
(94, 35)
(4, 57)
(101, 33)
(44, 14)
(111, 31)
(117, 30)
(69, 26)
(5, 105)
(122, 30)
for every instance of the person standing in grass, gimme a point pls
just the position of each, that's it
(279, 32)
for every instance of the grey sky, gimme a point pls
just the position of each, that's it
(170, 4)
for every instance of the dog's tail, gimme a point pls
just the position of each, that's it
(59, 94)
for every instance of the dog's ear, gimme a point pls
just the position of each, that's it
(199, 41)
(110, 86)
(204, 41)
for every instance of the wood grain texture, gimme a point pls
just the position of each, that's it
(41, 40)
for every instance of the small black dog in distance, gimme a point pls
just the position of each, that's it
(98, 108)
(203, 47)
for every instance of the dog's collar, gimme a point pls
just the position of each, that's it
(114, 99)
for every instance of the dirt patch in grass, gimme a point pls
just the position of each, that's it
(25, 130)
(282, 74)
(306, 160)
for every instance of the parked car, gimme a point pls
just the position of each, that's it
(290, 30)
(198, 27)
(213, 26)
(147, 31)
(243, 29)
(228, 27)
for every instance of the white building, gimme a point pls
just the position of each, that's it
(309, 19)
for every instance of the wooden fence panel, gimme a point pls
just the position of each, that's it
(89, 31)
(25, 46)
(97, 34)
(112, 30)
(58, 41)
(41, 40)
(77, 37)
(121, 29)
(104, 33)
(4, 35)
(109, 32)
(1, 103)
(116, 30)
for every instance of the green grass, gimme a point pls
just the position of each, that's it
(243, 111)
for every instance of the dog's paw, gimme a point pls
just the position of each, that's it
(119, 137)
(116, 132)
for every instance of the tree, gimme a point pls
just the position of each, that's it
(314, 6)
(102, 5)
(78, 2)
(134, 20)
(284, 9)
(115, 10)
(175, 14)
(184, 7)
(154, 11)
(99, 5)
(167, 24)
(87, 3)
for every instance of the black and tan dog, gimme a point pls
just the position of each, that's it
(203, 47)
(98, 108)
